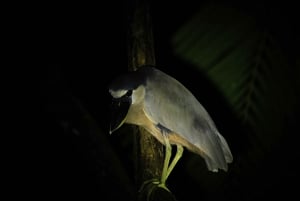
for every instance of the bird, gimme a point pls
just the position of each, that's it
(163, 106)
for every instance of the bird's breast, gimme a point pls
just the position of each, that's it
(136, 115)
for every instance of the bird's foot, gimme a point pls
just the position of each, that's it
(149, 182)
(163, 185)
(154, 182)
(150, 186)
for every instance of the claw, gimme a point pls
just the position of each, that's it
(146, 183)
(163, 185)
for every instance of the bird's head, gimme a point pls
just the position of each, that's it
(125, 91)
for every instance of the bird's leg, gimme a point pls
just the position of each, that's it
(178, 155)
(165, 171)
(168, 152)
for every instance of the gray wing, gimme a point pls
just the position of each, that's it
(170, 104)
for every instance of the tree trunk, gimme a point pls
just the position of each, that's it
(149, 152)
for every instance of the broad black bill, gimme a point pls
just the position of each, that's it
(119, 109)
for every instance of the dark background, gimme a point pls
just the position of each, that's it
(83, 48)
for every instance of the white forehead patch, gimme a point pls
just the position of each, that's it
(118, 93)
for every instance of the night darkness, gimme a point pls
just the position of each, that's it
(85, 47)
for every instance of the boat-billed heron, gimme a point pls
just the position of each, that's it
(165, 108)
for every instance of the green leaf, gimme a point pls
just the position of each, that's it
(245, 64)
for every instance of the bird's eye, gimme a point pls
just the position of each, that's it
(129, 93)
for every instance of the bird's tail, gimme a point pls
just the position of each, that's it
(225, 148)
(221, 159)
